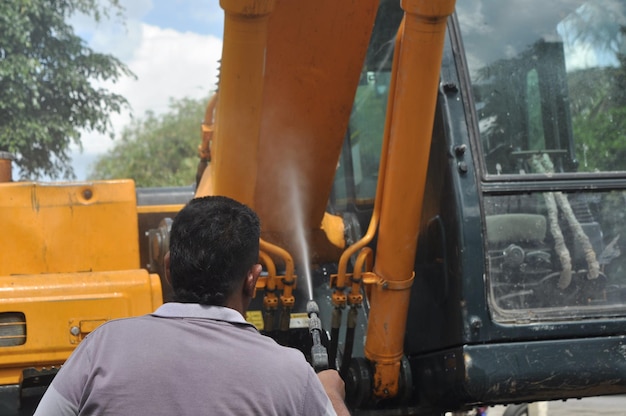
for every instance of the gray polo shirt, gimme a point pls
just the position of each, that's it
(184, 359)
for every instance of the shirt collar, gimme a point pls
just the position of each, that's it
(194, 310)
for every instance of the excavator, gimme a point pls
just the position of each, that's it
(441, 187)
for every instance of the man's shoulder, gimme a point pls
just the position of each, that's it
(126, 321)
(119, 325)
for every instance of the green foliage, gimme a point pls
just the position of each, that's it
(601, 140)
(47, 83)
(598, 106)
(157, 150)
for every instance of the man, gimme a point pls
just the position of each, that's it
(196, 356)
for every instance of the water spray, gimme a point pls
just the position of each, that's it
(319, 353)
(303, 249)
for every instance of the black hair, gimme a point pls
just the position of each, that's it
(214, 241)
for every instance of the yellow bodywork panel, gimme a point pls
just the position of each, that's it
(73, 227)
(59, 310)
(69, 262)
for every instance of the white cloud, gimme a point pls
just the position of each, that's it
(579, 56)
(168, 64)
(118, 35)
(171, 64)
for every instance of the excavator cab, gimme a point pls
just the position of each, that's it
(519, 292)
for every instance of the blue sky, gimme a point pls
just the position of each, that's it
(198, 16)
(172, 46)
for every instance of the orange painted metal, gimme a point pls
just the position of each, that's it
(204, 149)
(287, 299)
(284, 103)
(280, 122)
(414, 98)
(68, 227)
(315, 54)
(234, 150)
(61, 309)
(71, 262)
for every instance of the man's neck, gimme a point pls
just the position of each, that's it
(237, 304)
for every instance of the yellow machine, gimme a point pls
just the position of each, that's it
(72, 263)
(413, 164)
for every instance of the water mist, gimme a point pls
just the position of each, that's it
(297, 205)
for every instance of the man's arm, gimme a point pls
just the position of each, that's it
(53, 403)
(63, 396)
(335, 389)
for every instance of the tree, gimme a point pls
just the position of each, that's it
(599, 114)
(157, 150)
(47, 83)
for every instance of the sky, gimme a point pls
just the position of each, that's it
(559, 20)
(172, 46)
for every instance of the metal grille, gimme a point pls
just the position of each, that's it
(12, 329)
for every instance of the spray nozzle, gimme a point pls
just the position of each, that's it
(311, 307)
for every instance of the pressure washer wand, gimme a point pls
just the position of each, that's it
(319, 354)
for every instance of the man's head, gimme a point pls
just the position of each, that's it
(214, 249)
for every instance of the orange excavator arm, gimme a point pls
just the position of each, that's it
(288, 76)
(289, 73)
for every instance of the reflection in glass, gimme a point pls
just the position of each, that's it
(549, 82)
(357, 174)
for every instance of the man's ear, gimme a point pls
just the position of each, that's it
(249, 285)
(166, 265)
